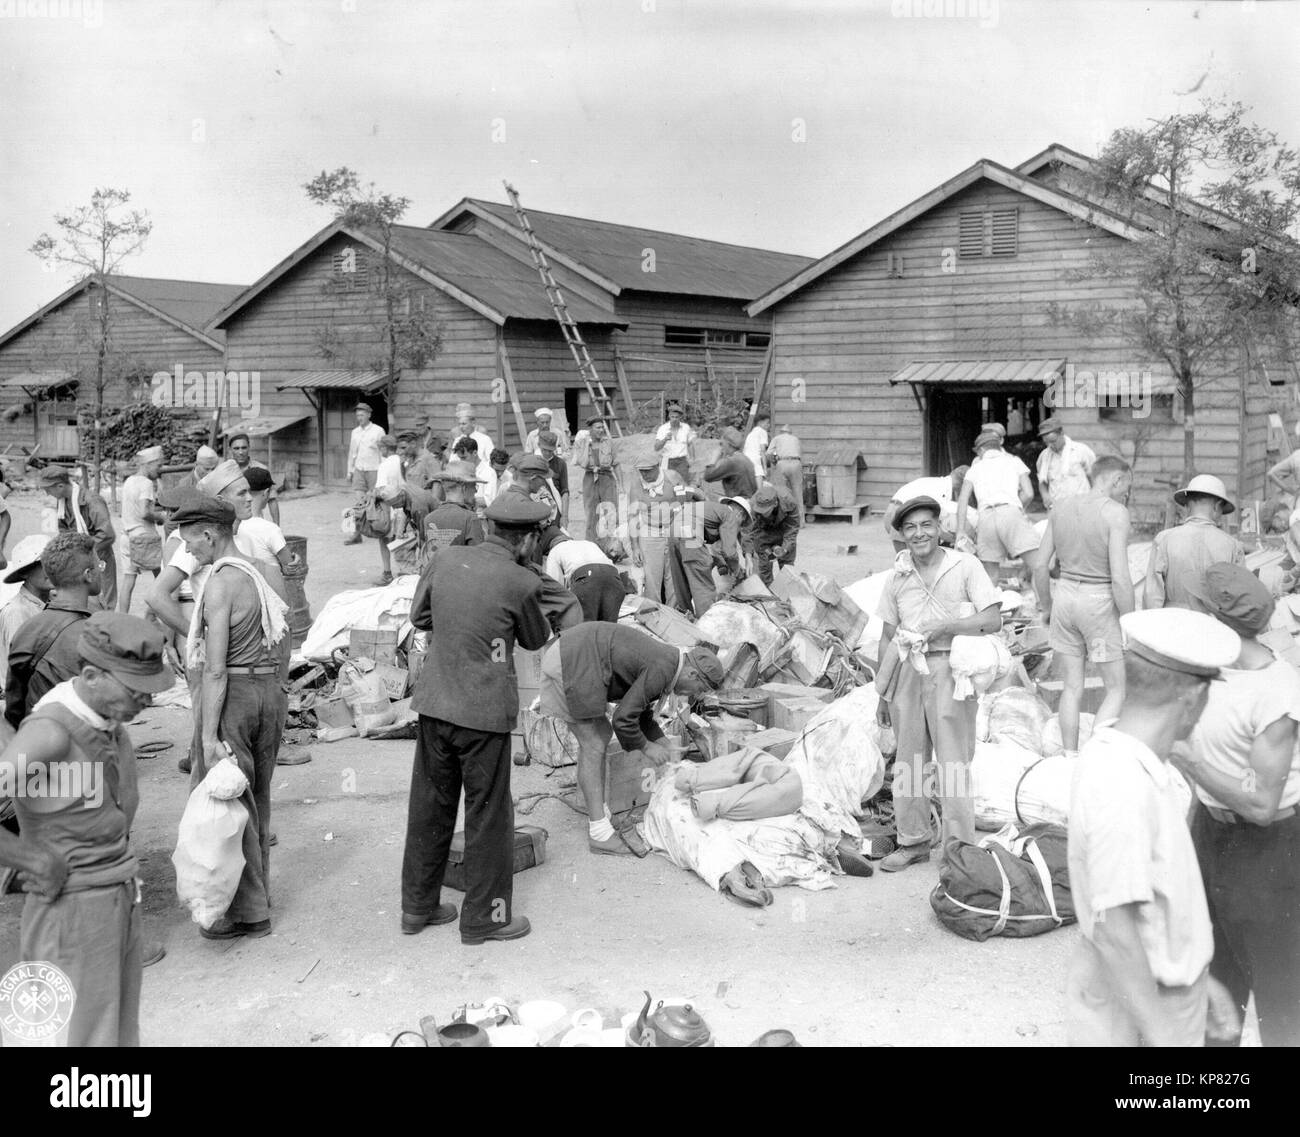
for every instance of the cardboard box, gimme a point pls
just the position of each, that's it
(530, 850)
(793, 714)
(379, 644)
(820, 603)
(810, 656)
(773, 741)
(396, 680)
(333, 712)
(670, 626)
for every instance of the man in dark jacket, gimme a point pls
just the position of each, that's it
(774, 532)
(733, 469)
(599, 663)
(456, 513)
(478, 601)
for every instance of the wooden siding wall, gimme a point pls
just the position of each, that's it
(841, 338)
(277, 335)
(65, 341)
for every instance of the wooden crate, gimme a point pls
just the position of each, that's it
(379, 644)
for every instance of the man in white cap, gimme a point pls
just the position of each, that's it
(1001, 485)
(1180, 556)
(544, 417)
(467, 427)
(141, 518)
(25, 569)
(1064, 465)
(1140, 971)
(205, 461)
(363, 459)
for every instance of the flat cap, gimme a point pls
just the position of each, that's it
(25, 556)
(364, 407)
(517, 511)
(764, 501)
(997, 428)
(911, 506)
(1236, 597)
(225, 475)
(1180, 640)
(1049, 426)
(708, 665)
(202, 509)
(531, 465)
(258, 479)
(649, 462)
(50, 475)
(128, 648)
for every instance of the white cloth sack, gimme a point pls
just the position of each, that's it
(386, 607)
(977, 663)
(209, 856)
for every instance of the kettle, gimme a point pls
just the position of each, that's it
(670, 1026)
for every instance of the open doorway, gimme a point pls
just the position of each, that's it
(336, 422)
(954, 414)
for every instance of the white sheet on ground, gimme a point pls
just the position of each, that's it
(865, 593)
(386, 607)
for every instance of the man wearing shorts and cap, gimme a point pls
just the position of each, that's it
(238, 639)
(595, 664)
(933, 595)
(479, 602)
(82, 913)
(599, 483)
(140, 519)
(733, 469)
(1139, 974)
(675, 441)
(1088, 535)
(1064, 465)
(1180, 556)
(1243, 764)
(1000, 483)
(82, 512)
(773, 534)
(363, 459)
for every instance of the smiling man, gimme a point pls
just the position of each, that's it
(934, 595)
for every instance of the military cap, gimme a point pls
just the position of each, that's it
(203, 509)
(531, 465)
(51, 475)
(734, 437)
(224, 476)
(1050, 426)
(25, 556)
(150, 454)
(364, 407)
(1235, 596)
(764, 501)
(913, 505)
(708, 665)
(1180, 640)
(649, 462)
(517, 511)
(128, 648)
(258, 479)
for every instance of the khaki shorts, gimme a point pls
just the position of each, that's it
(146, 552)
(551, 687)
(1085, 622)
(1004, 534)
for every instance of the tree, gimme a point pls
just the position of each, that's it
(96, 239)
(404, 332)
(1216, 275)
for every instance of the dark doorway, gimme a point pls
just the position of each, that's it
(336, 421)
(954, 415)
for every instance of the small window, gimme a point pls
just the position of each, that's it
(725, 339)
(988, 233)
(350, 271)
(1162, 411)
(683, 337)
(758, 339)
(1005, 232)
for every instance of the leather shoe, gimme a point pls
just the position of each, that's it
(515, 930)
(413, 925)
(227, 929)
(151, 951)
(905, 855)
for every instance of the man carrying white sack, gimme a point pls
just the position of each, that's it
(922, 610)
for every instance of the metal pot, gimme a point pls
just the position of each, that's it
(670, 1026)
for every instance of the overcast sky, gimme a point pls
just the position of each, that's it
(671, 114)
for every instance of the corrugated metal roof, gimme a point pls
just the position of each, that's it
(192, 302)
(356, 380)
(689, 265)
(263, 425)
(510, 286)
(976, 371)
(42, 380)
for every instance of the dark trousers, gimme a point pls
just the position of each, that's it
(690, 565)
(108, 579)
(763, 558)
(447, 759)
(1252, 884)
(252, 721)
(599, 590)
(597, 490)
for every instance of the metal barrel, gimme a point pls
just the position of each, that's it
(295, 577)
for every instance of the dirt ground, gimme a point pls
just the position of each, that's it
(865, 963)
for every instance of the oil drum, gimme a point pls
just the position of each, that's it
(295, 577)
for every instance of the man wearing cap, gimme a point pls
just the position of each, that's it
(583, 568)
(467, 427)
(1243, 764)
(1088, 535)
(1064, 465)
(241, 451)
(455, 520)
(595, 664)
(756, 447)
(1000, 483)
(675, 441)
(945, 491)
(654, 499)
(785, 459)
(82, 913)
(543, 417)
(933, 595)
(548, 443)
(705, 535)
(82, 512)
(733, 469)
(140, 519)
(238, 638)
(363, 459)
(1180, 556)
(45, 650)
(599, 482)
(205, 461)
(1138, 977)
(478, 601)
(24, 568)
(773, 534)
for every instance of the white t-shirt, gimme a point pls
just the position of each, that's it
(261, 539)
(567, 556)
(676, 441)
(1240, 709)
(995, 477)
(755, 449)
(363, 450)
(138, 493)
(389, 477)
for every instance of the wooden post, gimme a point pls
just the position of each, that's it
(507, 373)
(624, 388)
(760, 385)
